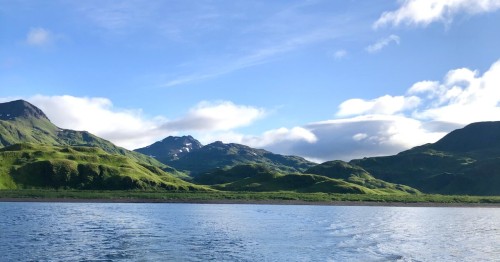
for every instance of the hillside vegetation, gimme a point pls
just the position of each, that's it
(251, 177)
(466, 161)
(43, 166)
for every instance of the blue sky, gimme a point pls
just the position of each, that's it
(321, 79)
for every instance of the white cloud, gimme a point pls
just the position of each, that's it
(281, 140)
(424, 87)
(270, 137)
(387, 105)
(366, 135)
(339, 54)
(216, 116)
(463, 97)
(425, 12)
(131, 129)
(127, 128)
(390, 124)
(39, 37)
(281, 135)
(381, 43)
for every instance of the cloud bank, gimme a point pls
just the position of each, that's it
(425, 12)
(390, 124)
(130, 128)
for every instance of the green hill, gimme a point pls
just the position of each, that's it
(44, 166)
(220, 155)
(258, 178)
(21, 122)
(466, 161)
(357, 175)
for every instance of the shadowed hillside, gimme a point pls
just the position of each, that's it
(466, 161)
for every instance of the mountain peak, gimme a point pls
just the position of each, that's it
(472, 137)
(171, 148)
(20, 109)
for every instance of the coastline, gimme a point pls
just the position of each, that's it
(251, 202)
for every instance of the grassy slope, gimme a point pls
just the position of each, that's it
(42, 131)
(357, 175)
(261, 179)
(238, 197)
(43, 166)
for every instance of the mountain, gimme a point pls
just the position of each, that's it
(466, 161)
(20, 109)
(22, 122)
(259, 178)
(171, 148)
(29, 165)
(476, 138)
(220, 155)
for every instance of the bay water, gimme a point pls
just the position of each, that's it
(227, 232)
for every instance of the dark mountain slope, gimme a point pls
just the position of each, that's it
(466, 161)
(220, 155)
(481, 136)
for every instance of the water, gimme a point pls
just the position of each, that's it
(205, 232)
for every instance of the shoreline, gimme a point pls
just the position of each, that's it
(249, 202)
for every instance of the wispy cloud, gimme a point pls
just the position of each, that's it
(115, 16)
(425, 12)
(245, 34)
(38, 36)
(382, 43)
(173, 19)
(258, 56)
(339, 54)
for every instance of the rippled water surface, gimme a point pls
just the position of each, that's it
(204, 232)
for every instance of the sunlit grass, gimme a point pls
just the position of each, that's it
(166, 196)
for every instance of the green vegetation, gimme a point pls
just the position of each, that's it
(42, 166)
(465, 162)
(259, 178)
(356, 175)
(439, 172)
(238, 197)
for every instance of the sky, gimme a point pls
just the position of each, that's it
(322, 79)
